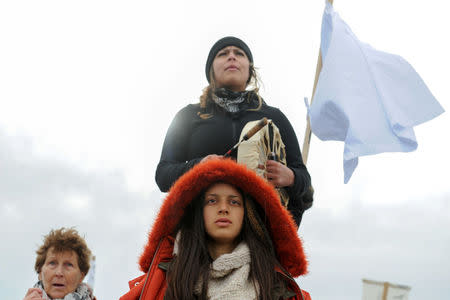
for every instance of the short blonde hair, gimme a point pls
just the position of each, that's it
(64, 240)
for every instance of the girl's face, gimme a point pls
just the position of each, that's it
(223, 213)
(231, 69)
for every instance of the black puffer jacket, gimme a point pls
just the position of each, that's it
(190, 138)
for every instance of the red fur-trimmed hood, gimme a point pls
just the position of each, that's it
(280, 224)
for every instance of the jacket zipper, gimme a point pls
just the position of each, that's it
(292, 280)
(150, 268)
(234, 125)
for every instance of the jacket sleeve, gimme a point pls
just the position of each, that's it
(173, 162)
(300, 194)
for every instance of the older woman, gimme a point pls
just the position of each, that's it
(61, 263)
(208, 129)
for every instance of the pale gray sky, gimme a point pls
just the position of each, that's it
(88, 89)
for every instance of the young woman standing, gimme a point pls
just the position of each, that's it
(208, 129)
(221, 233)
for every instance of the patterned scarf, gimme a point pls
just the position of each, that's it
(83, 292)
(229, 100)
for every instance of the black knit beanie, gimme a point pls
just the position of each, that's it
(222, 43)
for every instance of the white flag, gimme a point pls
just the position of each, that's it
(367, 98)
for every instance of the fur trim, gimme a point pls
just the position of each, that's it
(280, 224)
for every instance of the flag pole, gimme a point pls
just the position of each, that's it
(307, 140)
(385, 290)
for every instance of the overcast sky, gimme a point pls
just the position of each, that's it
(88, 89)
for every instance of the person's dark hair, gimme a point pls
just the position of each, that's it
(262, 252)
(193, 260)
(192, 263)
(60, 240)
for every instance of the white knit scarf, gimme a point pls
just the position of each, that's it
(229, 276)
(83, 292)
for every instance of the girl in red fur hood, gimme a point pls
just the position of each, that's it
(221, 233)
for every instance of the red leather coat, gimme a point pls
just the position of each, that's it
(159, 248)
